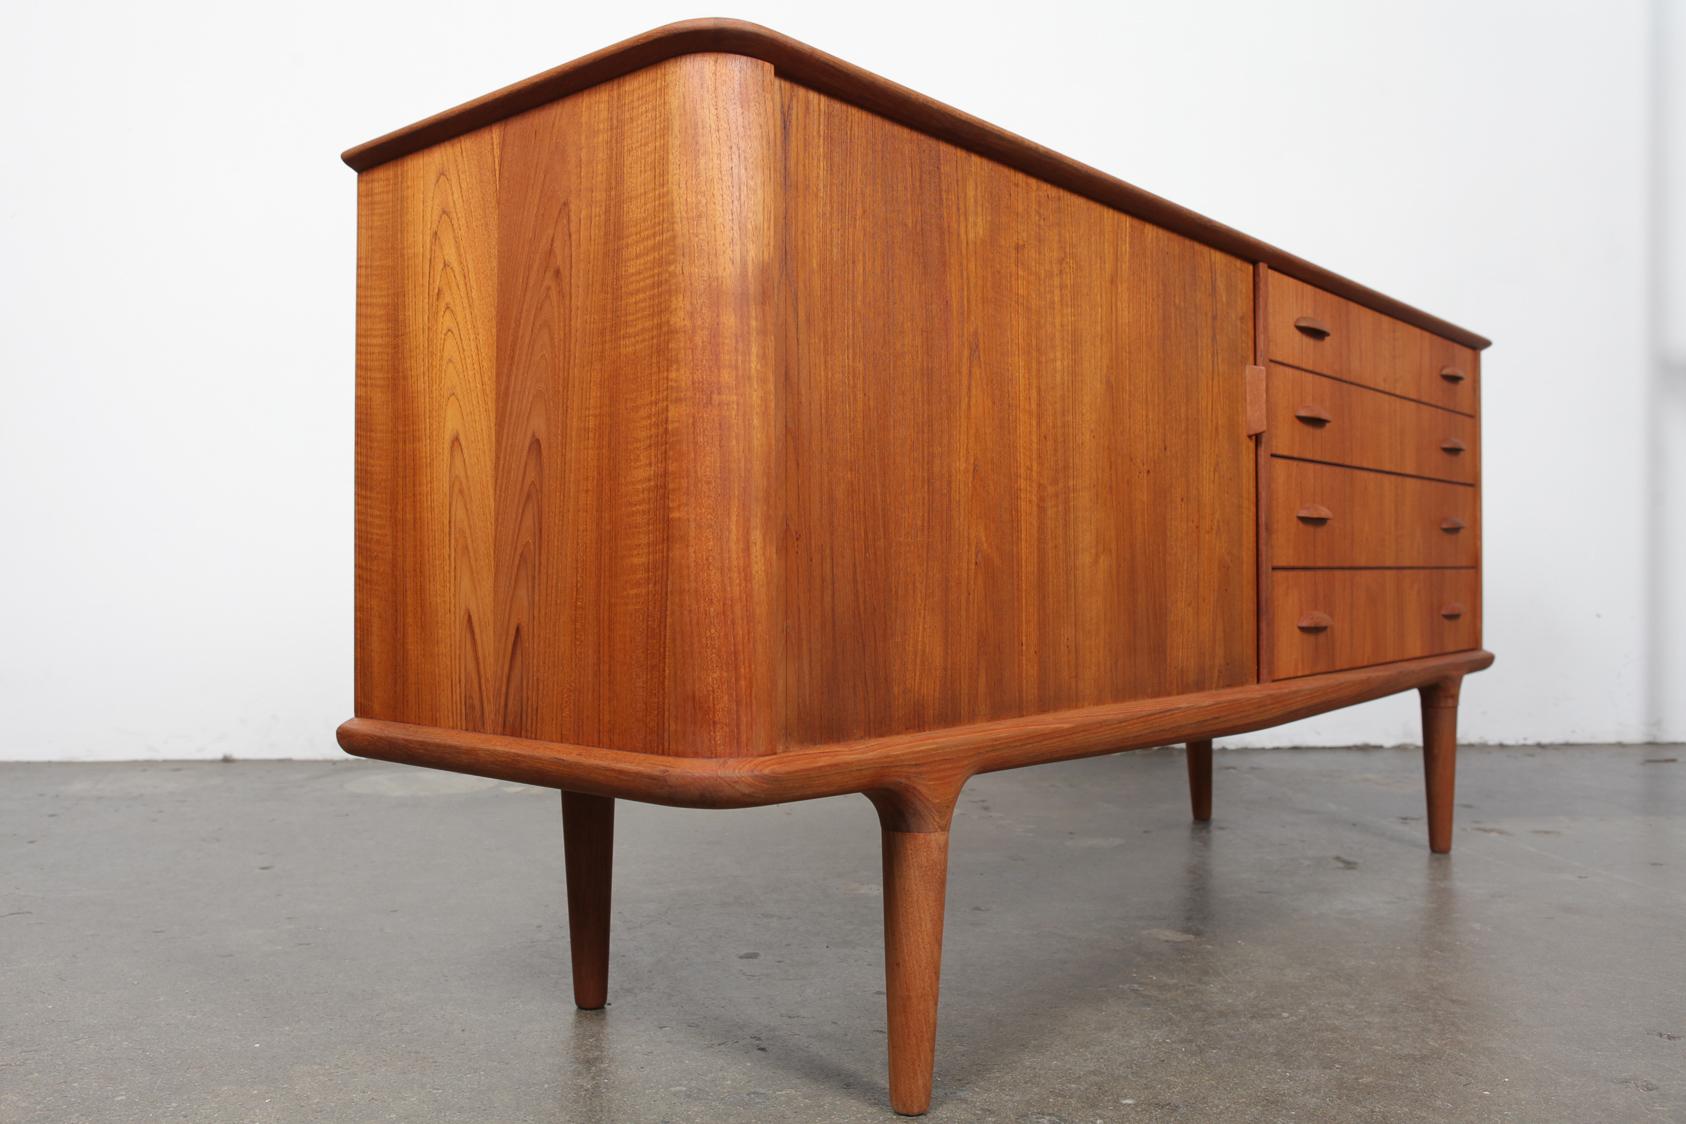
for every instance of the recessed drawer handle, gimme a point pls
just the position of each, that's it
(1314, 621)
(1452, 446)
(1452, 612)
(1451, 374)
(1452, 525)
(1314, 513)
(1313, 327)
(1313, 415)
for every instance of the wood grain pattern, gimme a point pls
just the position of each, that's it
(819, 71)
(426, 346)
(1367, 347)
(1372, 518)
(1366, 429)
(1374, 616)
(566, 425)
(1018, 472)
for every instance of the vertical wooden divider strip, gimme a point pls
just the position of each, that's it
(1261, 469)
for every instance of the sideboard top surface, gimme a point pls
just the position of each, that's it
(800, 63)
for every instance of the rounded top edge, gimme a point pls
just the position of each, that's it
(683, 37)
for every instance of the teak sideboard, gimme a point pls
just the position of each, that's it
(735, 426)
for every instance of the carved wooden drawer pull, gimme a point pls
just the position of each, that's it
(1314, 513)
(1452, 612)
(1313, 415)
(1314, 621)
(1451, 374)
(1452, 446)
(1312, 327)
(1452, 525)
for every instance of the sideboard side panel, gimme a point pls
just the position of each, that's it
(1017, 465)
(565, 395)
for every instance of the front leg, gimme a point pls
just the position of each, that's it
(915, 890)
(914, 819)
(1440, 758)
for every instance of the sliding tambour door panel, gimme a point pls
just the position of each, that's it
(565, 428)
(1015, 456)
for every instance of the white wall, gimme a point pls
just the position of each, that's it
(177, 251)
(1666, 690)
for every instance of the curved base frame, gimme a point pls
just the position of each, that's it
(914, 780)
(902, 765)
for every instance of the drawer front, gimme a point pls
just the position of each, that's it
(1324, 419)
(1329, 620)
(1321, 515)
(1320, 332)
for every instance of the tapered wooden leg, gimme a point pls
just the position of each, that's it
(915, 887)
(1440, 759)
(588, 844)
(914, 814)
(1200, 778)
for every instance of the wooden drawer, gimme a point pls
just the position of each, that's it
(1322, 515)
(1312, 329)
(1323, 419)
(1327, 620)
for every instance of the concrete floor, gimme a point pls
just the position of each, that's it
(359, 941)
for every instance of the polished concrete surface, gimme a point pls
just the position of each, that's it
(360, 941)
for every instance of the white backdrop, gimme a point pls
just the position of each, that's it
(178, 246)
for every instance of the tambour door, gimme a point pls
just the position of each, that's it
(1017, 473)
